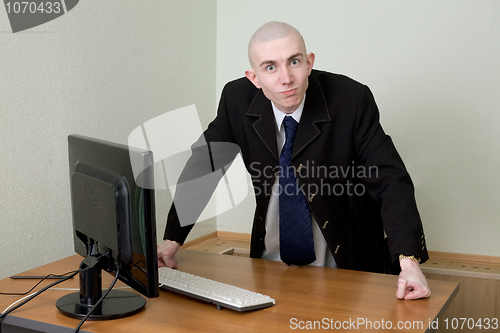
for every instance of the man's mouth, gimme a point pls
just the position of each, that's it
(288, 92)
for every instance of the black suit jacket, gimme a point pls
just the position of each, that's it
(354, 180)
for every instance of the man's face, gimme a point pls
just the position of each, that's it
(281, 68)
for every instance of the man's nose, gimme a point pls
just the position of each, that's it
(285, 75)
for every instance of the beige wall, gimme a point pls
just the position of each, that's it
(434, 68)
(100, 70)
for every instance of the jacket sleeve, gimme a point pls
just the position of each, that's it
(388, 182)
(210, 158)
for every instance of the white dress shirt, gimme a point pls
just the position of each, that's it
(324, 256)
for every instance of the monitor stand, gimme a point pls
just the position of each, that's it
(117, 304)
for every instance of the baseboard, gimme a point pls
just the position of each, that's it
(465, 265)
(200, 241)
(462, 257)
(235, 236)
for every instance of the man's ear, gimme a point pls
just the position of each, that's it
(250, 74)
(310, 62)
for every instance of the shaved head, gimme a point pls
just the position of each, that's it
(269, 32)
(280, 65)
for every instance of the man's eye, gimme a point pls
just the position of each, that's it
(294, 62)
(270, 68)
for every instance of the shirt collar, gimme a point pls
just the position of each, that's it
(280, 115)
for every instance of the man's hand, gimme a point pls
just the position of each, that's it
(166, 254)
(412, 283)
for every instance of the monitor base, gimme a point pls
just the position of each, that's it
(117, 304)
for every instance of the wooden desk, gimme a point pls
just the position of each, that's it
(325, 295)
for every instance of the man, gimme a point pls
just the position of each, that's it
(353, 185)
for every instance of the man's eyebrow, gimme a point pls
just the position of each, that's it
(272, 62)
(267, 62)
(296, 55)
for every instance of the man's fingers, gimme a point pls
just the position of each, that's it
(413, 293)
(419, 291)
(409, 292)
(166, 254)
(401, 292)
(172, 262)
(166, 261)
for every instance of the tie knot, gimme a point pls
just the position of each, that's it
(290, 127)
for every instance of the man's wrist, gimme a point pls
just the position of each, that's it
(412, 257)
(173, 241)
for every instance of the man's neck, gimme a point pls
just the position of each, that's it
(280, 115)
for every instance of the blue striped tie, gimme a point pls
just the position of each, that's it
(296, 236)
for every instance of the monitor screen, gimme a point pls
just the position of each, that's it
(113, 223)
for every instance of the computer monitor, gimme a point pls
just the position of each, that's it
(114, 226)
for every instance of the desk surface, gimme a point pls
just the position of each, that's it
(304, 296)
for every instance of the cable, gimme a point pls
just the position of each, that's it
(36, 285)
(38, 293)
(100, 299)
(67, 289)
(30, 297)
(19, 300)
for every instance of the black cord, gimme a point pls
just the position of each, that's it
(36, 285)
(36, 294)
(100, 300)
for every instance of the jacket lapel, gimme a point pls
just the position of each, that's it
(265, 124)
(315, 111)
